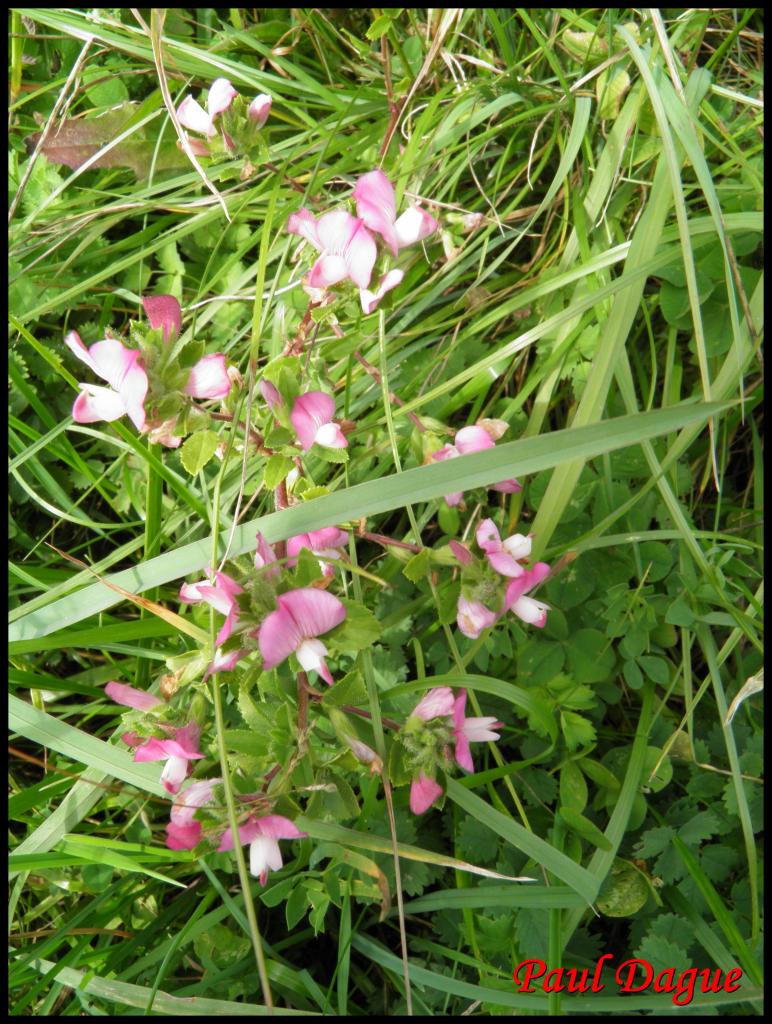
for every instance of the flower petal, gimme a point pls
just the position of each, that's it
(435, 703)
(360, 255)
(73, 342)
(413, 226)
(311, 411)
(96, 404)
(488, 536)
(328, 270)
(304, 223)
(264, 856)
(259, 109)
(530, 611)
(329, 435)
(274, 826)
(164, 311)
(376, 206)
(423, 793)
(370, 299)
(192, 116)
(277, 637)
(505, 564)
(313, 611)
(209, 378)
(472, 617)
(507, 486)
(220, 96)
(479, 730)
(130, 697)
(271, 394)
(174, 773)
(472, 439)
(183, 837)
(461, 552)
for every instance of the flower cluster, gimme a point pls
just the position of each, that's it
(144, 383)
(219, 101)
(482, 585)
(346, 247)
(477, 438)
(428, 746)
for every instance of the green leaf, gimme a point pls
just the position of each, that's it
(296, 905)
(359, 630)
(348, 690)
(198, 450)
(573, 788)
(276, 469)
(418, 566)
(381, 25)
(657, 669)
(577, 731)
(590, 657)
(624, 892)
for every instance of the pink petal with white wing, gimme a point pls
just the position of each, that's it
(192, 116)
(209, 378)
(259, 109)
(221, 95)
(472, 617)
(370, 299)
(304, 223)
(310, 412)
(472, 439)
(96, 404)
(413, 226)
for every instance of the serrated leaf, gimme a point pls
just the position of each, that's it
(663, 954)
(276, 469)
(336, 455)
(244, 741)
(654, 841)
(704, 825)
(198, 450)
(577, 731)
(358, 631)
(348, 690)
(418, 566)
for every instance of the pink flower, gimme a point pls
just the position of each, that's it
(164, 311)
(265, 557)
(472, 617)
(209, 378)
(436, 703)
(271, 394)
(347, 248)
(376, 205)
(259, 109)
(130, 697)
(176, 752)
(470, 730)
(461, 552)
(183, 831)
(423, 792)
(526, 608)
(262, 835)
(468, 440)
(370, 299)
(503, 555)
(311, 417)
(192, 115)
(221, 596)
(122, 369)
(321, 542)
(302, 616)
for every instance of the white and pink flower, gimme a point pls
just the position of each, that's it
(220, 595)
(526, 608)
(209, 377)
(263, 835)
(503, 555)
(183, 831)
(470, 730)
(322, 542)
(259, 109)
(370, 299)
(192, 115)
(177, 753)
(312, 419)
(302, 616)
(376, 206)
(469, 440)
(347, 248)
(123, 371)
(472, 617)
